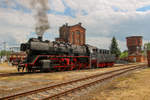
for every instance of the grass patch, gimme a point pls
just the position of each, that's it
(129, 87)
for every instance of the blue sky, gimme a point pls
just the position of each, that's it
(102, 19)
(143, 9)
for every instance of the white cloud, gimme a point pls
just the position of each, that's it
(101, 42)
(105, 42)
(15, 24)
(24, 3)
(101, 21)
(57, 5)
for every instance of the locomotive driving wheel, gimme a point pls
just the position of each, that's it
(28, 69)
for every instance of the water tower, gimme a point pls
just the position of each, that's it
(134, 44)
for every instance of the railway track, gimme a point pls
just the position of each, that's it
(61, 89)
(25, 73)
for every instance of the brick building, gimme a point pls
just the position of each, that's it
(134, 44)
(73, 34)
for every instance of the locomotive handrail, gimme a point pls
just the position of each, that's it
(34, 61)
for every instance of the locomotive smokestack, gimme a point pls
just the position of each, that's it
(40, 38)
(40, 7)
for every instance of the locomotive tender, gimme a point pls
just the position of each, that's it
(47, 55)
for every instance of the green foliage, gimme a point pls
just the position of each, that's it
(148, 46)
(142, 52)
(5, 53)
(114, 47)
(124, 54)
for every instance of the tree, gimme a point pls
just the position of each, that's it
(5, 53)
(147, 46)
(124, 54)
(114, 47)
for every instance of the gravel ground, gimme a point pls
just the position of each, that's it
(16, 84)
(5, 67)
(134, 86)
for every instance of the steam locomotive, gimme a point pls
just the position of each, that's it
(47, 55)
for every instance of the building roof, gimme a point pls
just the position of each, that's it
(79, 24)
(134, 37)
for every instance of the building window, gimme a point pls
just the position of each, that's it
(78, 32)
(78, 41)
(73, 37)
(78, 36)
(64, 34)
(72, 33)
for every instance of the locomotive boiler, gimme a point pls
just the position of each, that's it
(35, 45)
(47, 55)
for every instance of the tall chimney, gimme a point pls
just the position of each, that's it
(40, 38)
(66, 24)
(80, 23)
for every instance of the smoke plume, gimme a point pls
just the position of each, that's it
(40, 7)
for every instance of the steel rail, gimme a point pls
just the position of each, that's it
(61, 84)
(87, 85)
(26, 73)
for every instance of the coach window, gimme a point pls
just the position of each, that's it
(103, 52)
(96, 50)
(107, 52)
(100, 51)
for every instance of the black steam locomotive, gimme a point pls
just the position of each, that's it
(46, 56)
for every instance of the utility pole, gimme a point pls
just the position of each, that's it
(4, 44)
